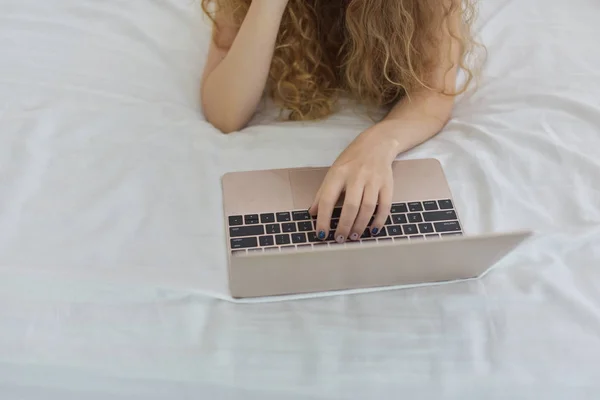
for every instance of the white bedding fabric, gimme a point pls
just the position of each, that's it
(108, 170)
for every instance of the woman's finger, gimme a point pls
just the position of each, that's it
(350, 209)
(330, 193)
(383, 210)
(367, 209)
(314, 208)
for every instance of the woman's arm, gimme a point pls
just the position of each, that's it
(238, 65)
(413, 122)
(417, 119)
(363, 171)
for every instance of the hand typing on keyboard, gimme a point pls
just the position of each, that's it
(363, 173)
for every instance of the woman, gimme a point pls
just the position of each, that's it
(404, 54)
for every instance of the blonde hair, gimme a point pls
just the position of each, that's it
(376, 51)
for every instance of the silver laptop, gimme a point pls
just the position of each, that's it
(273, 248)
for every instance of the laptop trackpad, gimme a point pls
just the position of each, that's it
(305, 185)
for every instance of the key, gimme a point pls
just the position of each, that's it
(426, 228)
(446, 204)
(417, 237)
(366, 234)
(399, 219)
(312, 237)
(388, 221)
(432, 237)
(289, 227)
(299, 238)
(444, 227)
(251, 219)
(399, 208)
(381, 233)
(416, 206)
(410, 229)
(331, 236)
(241, 231)
(244, 243)
(337, 212)
(305, 226)
(415, 218)
(334, 223)
(283, 217)
(301, 216)
(236, 220)
(267, 218)
(430, 205)
(438, 216)
(266, 241)
(395, 230)
(282, 239)
(273, 229)
(452, 234)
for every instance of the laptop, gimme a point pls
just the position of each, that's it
(273, 248)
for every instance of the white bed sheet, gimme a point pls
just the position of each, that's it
(107, 169)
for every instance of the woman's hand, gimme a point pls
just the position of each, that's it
(363, 173)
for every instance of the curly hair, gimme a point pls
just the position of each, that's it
(376, 51)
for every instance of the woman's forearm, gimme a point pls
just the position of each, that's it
(414, 121)
(232, 91)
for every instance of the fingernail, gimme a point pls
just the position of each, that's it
(354, 236)
(340, 239)
(322, 235)
(375, 231)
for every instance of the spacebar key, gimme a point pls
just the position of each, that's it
(450, 226)
(251, 230)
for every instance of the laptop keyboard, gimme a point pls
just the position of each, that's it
(289, 230)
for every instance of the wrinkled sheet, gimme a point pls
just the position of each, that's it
(112, 253)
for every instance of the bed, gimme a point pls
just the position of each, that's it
(112, 254)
